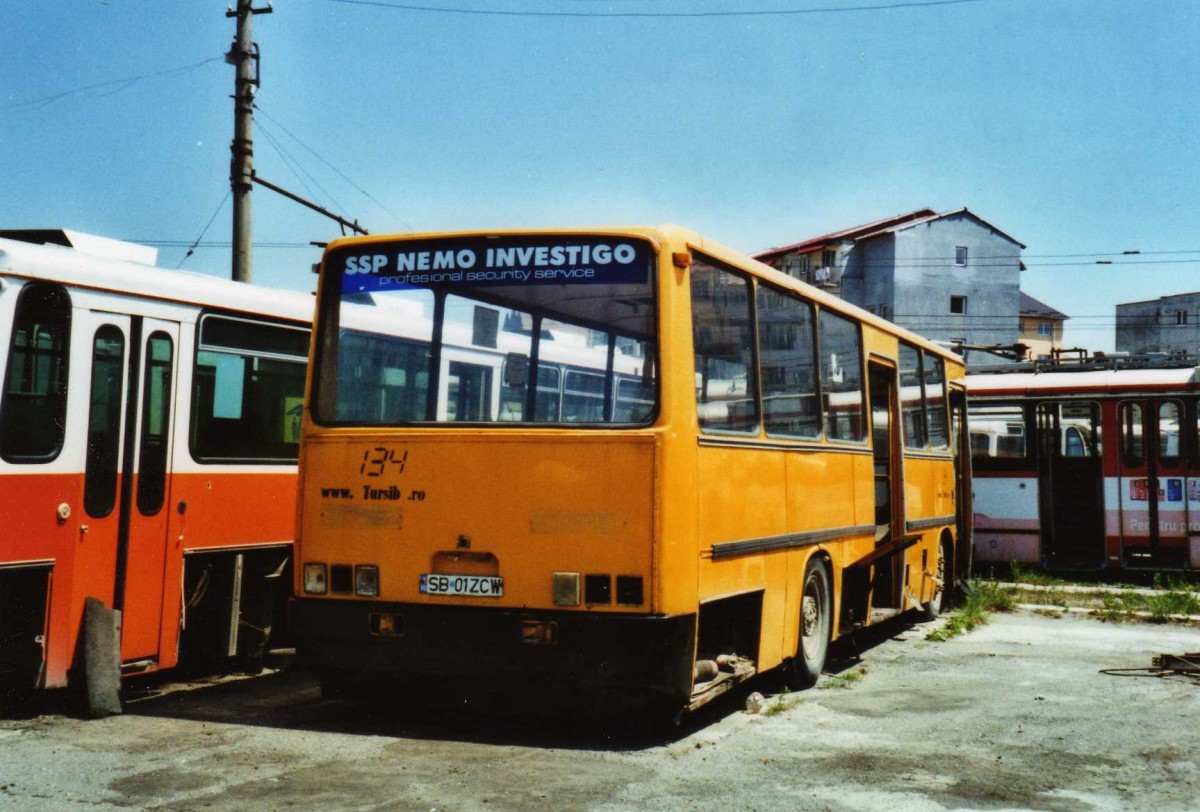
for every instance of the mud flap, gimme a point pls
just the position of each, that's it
(102, 658)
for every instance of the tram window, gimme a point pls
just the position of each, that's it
(1132, 448)
(935, 401)
(788, 364)
(1078, 429)
(842, 377)
(912, 400)
(33, 412)
(1170, 421)
(248, 390)
(724, 350)
(583, 397)
(381, 379)
(156, 424)
(104, 421)
(997, 434)
(468, 393)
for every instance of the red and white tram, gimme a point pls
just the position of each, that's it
(149, 430)
(1087, 466)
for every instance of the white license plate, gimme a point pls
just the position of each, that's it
(478, 586)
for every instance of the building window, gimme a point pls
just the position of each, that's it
(1181, 317)
(828, 257)
(960, 255)
(958, 305)
(871, 309)
(1043, 328)
(883, 311)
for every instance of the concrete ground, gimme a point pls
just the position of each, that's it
(1023, 713)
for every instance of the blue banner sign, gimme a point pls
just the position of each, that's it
(485, 261)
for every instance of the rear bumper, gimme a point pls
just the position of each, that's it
(591, 651)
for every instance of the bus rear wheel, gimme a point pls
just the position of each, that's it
(816, 623)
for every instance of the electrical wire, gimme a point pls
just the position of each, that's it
(337, 171)
(121, 84)
(299, 171)
(192, 248)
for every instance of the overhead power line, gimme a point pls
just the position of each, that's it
(116, 85)
(654, 14)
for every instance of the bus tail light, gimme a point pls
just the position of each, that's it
(630, 591)
(565, 587)
(315, 582)
(366, 580)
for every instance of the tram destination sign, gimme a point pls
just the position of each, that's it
(487, 261)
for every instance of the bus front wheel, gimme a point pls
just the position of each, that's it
(816, 623)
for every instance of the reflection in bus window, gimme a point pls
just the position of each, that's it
(997, 432)
(912, 404)
(788, 363)
(1169, 422)
(723, 344)
(469, 392)
(842, 377)
(935, 400)
(1077, 427)
(1131, 433)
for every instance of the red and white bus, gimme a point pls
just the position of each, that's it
(1089, 465)
(149, 430)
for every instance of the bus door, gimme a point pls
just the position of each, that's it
(1070, 485)
(1152, 483)
(126, 470)
(885, 444)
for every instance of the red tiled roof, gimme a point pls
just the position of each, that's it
(845, 234)
(871, 230)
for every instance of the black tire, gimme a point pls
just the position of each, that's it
(816, 624)
(933, 607)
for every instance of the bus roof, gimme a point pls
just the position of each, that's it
(674, 233)
(1102, 381)
(56, 263)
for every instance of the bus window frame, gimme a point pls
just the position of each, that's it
(62, 296)
(327, 336)
(199, 346)
(1124, 432)
(1025, 462)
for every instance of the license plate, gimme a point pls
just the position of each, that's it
(478, 586)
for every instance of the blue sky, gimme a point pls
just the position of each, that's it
(1069, 124)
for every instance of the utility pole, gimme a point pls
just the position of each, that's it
(244, 56)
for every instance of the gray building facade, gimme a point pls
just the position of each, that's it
(951, 277)
(1169, 324)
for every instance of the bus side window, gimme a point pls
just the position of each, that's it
(104, 421)
(723, 346)
(247, 390)
(1170, 421)
(33, 412)
(1132, 433)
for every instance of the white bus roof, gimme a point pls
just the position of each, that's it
(1085, 381)
(70, 266)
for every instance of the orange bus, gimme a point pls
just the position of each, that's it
(625, 460)
(149, 429)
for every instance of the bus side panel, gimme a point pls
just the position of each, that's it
(222, 509)
(929, 494)
(740, 497)
(33, 532)
(1007, 524)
